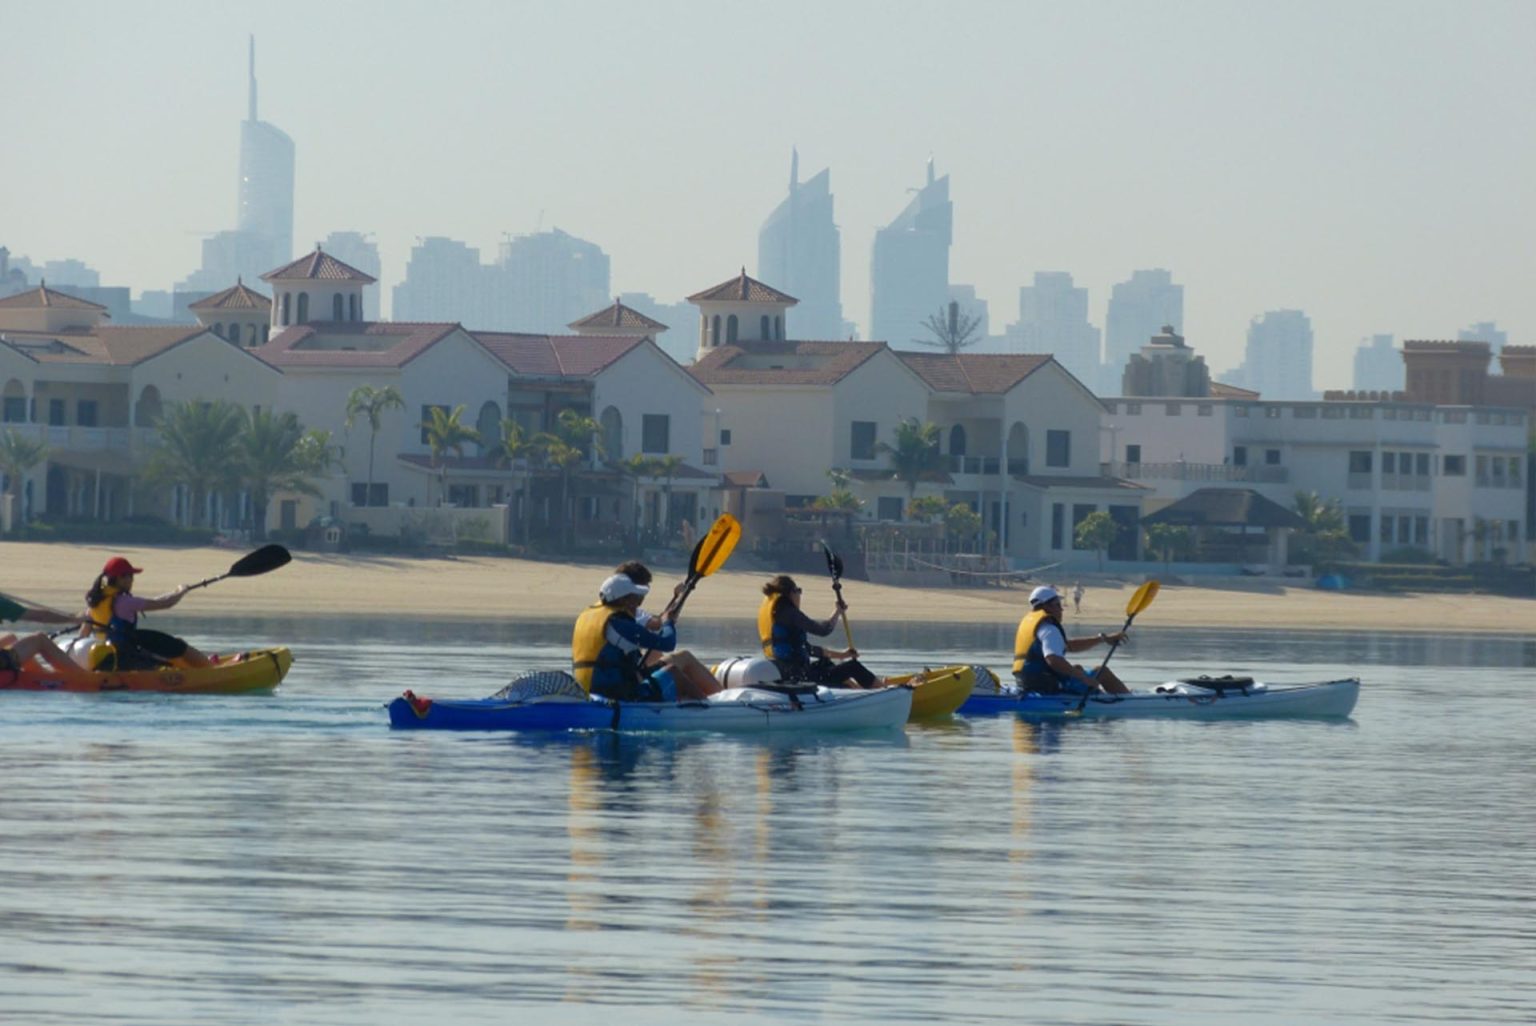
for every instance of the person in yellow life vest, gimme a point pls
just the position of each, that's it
(114, 615)
(785, 633)
(16, 652)
(608, 647)
(1040, 650)
(697, 681)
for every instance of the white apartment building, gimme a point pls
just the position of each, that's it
(1446, 479)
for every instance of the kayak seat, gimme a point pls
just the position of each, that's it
(1220, 685)
(541, 684)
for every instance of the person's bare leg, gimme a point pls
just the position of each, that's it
(1109, 682)
(41, 647)
(700, 683)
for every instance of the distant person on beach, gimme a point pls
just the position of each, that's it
(17, 652)
(784, 630)
(680, 661)
(1040, 652)
(1077, 597)
(609, 646)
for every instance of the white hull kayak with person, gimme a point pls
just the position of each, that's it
(1194, 698)
(553, 701)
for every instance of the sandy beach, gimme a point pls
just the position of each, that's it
(482, 587)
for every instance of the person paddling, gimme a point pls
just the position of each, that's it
(114, 616)
(784, 631)
(680, 661)
(1040, 650)
(608, 647)
(17, 652)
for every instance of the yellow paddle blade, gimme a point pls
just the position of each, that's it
(717, 545)
(1142, 598)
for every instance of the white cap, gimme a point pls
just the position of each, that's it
(620, 586)
(1043, 594)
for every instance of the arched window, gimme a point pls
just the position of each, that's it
(218, 328)
(352, 309)
(613, 433)
(714, 334)
(488, 424)
(764, 328)
(957, 440)
(778, 327)
(256, 333)
(303, 317)
(266, 330)
(286, 297)
(336, 308)
(1018, 449)
(730, 330)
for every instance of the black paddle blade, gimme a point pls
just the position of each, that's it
(834, 562)
(263, 560)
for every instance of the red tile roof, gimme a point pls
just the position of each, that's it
(618, 316)
(783, 363)
(974, 373)
(42, 296)
(238, 296)
(318, 265)
(557, 356)
(743, 288)
(352, 343)
(114, 345)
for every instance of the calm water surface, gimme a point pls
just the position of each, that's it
(287, 858)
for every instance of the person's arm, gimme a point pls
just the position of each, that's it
(37, 615)
(797, 618)
(165, 601)
(1084, 644)
(663, 640)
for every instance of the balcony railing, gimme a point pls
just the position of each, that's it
(972, 464)
(85, 439)
(1181, 470)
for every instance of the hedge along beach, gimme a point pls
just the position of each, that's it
(488, 588)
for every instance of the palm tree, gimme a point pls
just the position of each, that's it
(198, 447)
(446, 433)
(915, 453)
(637, 466)
(514, 446)
(368, 401)
(666, 469)
(950, 329)
(1323, 537)
(564, 449)
(278, 455)
(18, 455)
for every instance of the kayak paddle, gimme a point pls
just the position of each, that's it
(1140, 600)
(263, 560)
(708, 556)
(835, 568)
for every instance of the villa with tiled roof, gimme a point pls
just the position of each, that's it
(239, 313)
(617, 319)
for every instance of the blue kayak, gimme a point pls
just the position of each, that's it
(1222, 698)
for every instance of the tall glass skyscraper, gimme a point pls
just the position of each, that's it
(909, 273)
(266, 179)
(799, 251)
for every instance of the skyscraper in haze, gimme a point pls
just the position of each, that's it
(1483, 331)
(444, 281)
(266, 178)
(1053, 318)
(1138, 309)
(1379, 365)
(263, 236)
(1278, 360)
(909, 271)
(546, 280)
(799, 250)
(361, 252)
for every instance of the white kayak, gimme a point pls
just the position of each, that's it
(1195, 698)
(737, 710)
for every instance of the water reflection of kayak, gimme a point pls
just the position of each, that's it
(1195, 698)
(257, 670)
(555, 706)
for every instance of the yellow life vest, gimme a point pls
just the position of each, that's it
(1026, 636)
(765, 623)
(587, 642)
(101, 612)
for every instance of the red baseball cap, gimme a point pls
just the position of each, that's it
(117, 566)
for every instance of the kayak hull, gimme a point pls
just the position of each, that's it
(740, 710)
(938, 693)
(1334, 699)
(257, 670)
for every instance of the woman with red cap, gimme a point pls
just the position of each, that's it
(114, 612)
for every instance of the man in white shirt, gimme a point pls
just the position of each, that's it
(1041, 647)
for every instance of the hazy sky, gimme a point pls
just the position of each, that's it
(1371, 163)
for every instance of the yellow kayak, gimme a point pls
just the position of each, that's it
(937, 692)
(258, 670)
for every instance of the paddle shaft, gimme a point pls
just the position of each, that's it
(837, 588)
